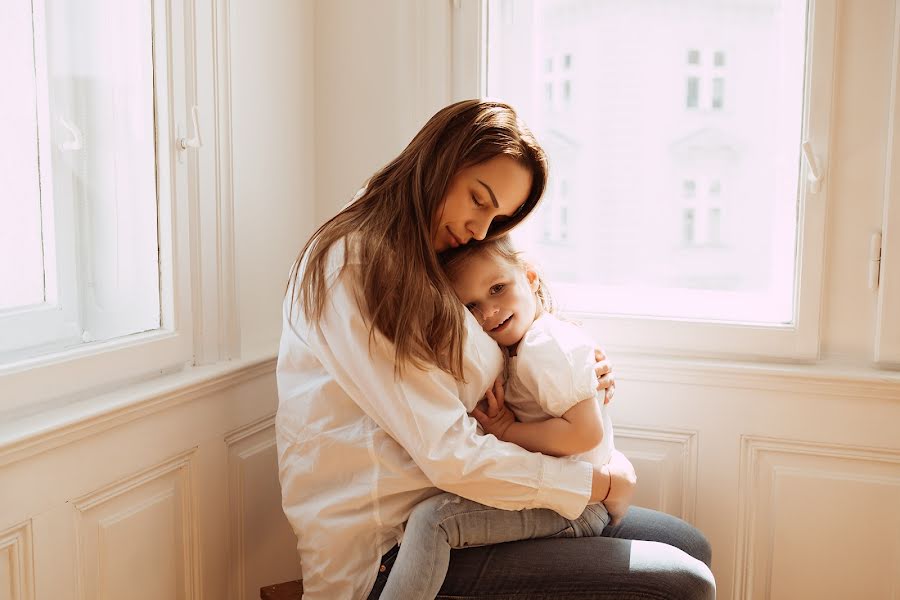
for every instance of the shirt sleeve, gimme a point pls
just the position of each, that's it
(556, 364)
(422, 411)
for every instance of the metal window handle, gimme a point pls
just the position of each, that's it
(76, 142)
(194, 142)
(813, 173)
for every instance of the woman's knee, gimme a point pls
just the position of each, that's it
(676, 574)
(696, 544)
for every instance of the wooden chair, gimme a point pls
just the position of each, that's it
(289, 590)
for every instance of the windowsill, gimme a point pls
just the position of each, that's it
(24, 432)
(830, 376)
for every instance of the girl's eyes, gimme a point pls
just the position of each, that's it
(470, 306)
(497, 288)
(476, 202)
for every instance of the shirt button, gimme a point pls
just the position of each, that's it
(382, 568)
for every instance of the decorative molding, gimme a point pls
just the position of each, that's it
(242, 443)
(75, 421)
(687, 448)
(16, 545)
(816, 380)
(244, 431)
(755, 504)
(178, 470)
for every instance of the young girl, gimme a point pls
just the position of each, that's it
(549, 405)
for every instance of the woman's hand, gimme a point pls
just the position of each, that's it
(605, 379)
(498, 418)
(613, 485)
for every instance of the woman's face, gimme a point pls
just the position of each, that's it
(477, 195)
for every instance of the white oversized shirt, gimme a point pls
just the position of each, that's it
(358, 449)
(552, 371)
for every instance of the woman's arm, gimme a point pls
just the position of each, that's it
(578, 430)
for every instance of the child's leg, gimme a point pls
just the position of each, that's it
(447, 521)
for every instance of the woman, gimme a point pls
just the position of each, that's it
(379, 365)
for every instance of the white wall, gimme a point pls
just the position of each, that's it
(272, 52)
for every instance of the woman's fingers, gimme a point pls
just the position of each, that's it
(606, 381)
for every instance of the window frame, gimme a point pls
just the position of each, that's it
(886, 351)
(798, 341)
(191, 63)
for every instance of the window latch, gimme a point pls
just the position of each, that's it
(874, 260)
(75, 142)
(813, 173)
(193, 142)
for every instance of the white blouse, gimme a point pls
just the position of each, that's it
(553, 370)
(359, 448)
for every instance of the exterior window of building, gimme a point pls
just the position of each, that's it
(718, 93)
(687, 227)
(693, 92)
(705, 80)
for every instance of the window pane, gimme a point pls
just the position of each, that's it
(21, 250)
(100, 62)
(647, 122)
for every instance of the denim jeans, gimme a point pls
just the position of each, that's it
(446, 521)
(647, 555)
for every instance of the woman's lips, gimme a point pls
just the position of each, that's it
(454, 241)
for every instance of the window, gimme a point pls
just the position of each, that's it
(96, 120)
(705, 80)
(737, 255)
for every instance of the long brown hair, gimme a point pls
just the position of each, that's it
(403, 292)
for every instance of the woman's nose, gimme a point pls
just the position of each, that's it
(479, 229)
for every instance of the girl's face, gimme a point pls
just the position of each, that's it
(500, 295)
(477, 195)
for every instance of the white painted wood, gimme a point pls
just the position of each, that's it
(803, 505)
(212, 198)
(16, 565)
(147, 519)
(263, 546)
(666, 465)
(887, 324)
(90, 367)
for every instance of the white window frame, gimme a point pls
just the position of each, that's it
(887, 317)
(798, 341)
(195, 218)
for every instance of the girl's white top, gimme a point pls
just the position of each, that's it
(359, 448)
(552, 371)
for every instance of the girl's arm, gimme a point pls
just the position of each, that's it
(578, 430)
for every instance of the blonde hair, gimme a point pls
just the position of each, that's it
(402, 291)
(502, 249)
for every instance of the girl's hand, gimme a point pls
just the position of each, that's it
(622, 480)
(498, 417)
(605, 379)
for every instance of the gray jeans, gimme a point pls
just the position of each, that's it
(446, 521)
(648, 555)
